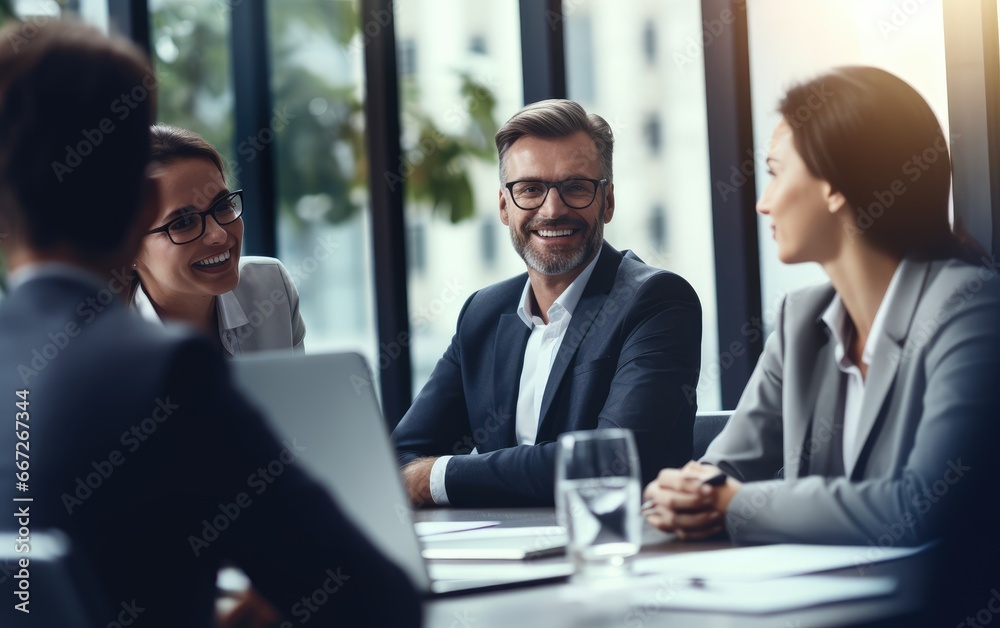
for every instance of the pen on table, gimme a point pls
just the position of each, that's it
(716, 480)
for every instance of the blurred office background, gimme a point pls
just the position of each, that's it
(386, 236)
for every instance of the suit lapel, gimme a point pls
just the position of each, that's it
(508, 360)
(595, 295)
(885, 360)
(822, 451)
(815, 405)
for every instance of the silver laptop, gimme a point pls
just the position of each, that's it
(327, 403)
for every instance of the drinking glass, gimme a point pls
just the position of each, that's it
(598, 499)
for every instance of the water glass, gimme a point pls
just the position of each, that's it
(598, 499)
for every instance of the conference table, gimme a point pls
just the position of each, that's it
(635, 601)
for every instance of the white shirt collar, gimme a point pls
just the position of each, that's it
(835, 317)
(564, 304)
(142, 305)
(231, 313)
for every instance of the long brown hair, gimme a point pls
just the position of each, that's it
(874, 139)
(170, 143)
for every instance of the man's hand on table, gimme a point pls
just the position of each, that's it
(417, 480)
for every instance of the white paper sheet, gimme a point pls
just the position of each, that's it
(497, 571)
(770, 596)
(515, 543)
(555, 533)
(770, 561)
(430, 528)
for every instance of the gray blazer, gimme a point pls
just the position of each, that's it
(930, 402)
(261, 313)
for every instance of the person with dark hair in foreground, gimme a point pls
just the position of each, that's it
(141, 450)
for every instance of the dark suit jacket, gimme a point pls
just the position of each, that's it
(630, 359)
(140, 445)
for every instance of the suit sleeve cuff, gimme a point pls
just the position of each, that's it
(748, 511)
(438, 491)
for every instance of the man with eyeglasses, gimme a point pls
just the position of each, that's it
(588, 338)
(132, 439)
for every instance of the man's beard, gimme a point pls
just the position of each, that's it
(558, 262)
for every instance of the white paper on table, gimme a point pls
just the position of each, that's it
(769, 596)
(498, 571)
(553, 533)
(513, 543)
(769, 561)
(430, 528)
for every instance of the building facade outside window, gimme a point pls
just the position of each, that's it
(657, 112)
(792, 41)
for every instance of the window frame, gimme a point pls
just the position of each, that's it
(738, 286)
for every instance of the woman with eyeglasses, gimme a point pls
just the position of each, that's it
(189, 268)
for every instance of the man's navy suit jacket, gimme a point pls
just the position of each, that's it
(630, 359)
(140, 451)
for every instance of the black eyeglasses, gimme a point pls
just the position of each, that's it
(575, 193)
(189, 227)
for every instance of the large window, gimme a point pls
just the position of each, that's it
(460, 75)
(93, 12)
(657, 112)
(190, 48)
(639, 64)
(324, 232)
(792, 41)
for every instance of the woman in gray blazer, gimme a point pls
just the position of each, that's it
(189, 267)
(869, 414)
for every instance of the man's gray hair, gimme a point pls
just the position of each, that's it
(554, 119)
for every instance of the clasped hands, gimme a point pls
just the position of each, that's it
(679, 502)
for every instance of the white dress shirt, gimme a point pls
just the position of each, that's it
(539, 355)
(231, 316)
(842, 328)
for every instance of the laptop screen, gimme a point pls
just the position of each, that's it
(327, 404)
